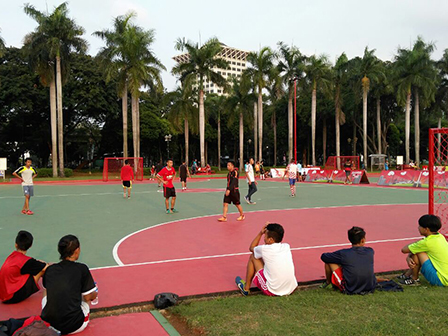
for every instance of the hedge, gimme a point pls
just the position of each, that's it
(48, 172)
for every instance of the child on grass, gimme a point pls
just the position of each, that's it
(270, 265)
(351, 270)
(127, 176)
(429, 255)
(19, 274)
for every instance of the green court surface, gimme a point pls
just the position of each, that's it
(100, 216)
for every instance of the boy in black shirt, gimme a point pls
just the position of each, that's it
(69, 289)
(351, 270)
(183, 173)
(232, 194)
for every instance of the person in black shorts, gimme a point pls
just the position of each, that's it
(19, 274)
(348, 172)
(232, 194)
(70, 287)
(183, 173)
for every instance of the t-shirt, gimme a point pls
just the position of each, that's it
(127, 173)
(66, 283)
(15, 271)
(278, 267)
(292, 170)
(168, 175)
(436, 247)
(347, 166)
(357, 268)
(299, 168)
(250, 173)
(232, 180)
(183, 170)
(26, 174)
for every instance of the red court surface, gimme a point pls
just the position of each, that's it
(201, 256)
(140, 324)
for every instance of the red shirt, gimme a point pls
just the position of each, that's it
(127, 173)
(168, 174)
(11, 279)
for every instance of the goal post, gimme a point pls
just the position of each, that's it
(438, 175)
(337, 162)
(112, 167)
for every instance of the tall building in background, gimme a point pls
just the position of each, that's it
(237, 64)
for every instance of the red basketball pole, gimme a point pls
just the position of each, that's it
(431, 172)
(295, 120)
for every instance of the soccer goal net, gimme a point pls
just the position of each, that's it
(438, 175)
(112, 168)
(337, 162)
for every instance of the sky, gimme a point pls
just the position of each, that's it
(316, 27)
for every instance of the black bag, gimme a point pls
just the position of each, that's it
(165, 300)
(388, 286)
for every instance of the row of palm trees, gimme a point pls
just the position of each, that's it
(412, 76)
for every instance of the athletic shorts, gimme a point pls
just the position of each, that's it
(260, 281)
(347, 173)
(292, 181)
(28, 190)
(85, 310)
(337, 279)
(29, 288)
(127, 184)
(430, 273)
(169, 192)
(234, 197)
(183, 178)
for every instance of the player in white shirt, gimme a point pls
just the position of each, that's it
(250, 178)
(292, 172)
(270, 266)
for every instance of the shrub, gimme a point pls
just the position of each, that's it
(48, 172)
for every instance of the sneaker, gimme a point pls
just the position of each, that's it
(174, 210)
(253, 203)
(222, 219)
(409, 281)
(24, 212)
(241, 218)
(402, 276)
(325, 285)
(247, 200)
(129, 197)
(168, 211)
(29, 212)
(240, 284)
(159, 190)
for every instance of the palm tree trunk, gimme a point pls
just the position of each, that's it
(355, 140)
(60, 116)
(274, 124)
(54, 129)
(124, 107)
(187, 141)
(313, 125)
(219, 143)
(290, 126)
(202, 127)
(407, 125)
(260, 126)
(137, 120)
(324, 139)
(255, 132)
(134, 123)
(337, 124)
(364, 125)
(378, 123)
(417, 128)
(241, 143)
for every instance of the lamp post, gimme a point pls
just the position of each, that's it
(168, 140)
(247, 150)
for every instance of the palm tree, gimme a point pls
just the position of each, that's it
(182, 113)
(61, 36)
(275, 89)
(318, 73)
(261, 65)
(414, 70)
(201, 65)
(291, 66)
(239, 106)
(339, 80)
(370, 71)
(216, 106)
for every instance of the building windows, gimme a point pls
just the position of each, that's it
(212, 91)
(234, 69)
(219, 72)
(219, 91)
(234, 63)
(238, 63)
(243, 64)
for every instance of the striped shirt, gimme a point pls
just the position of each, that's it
(26, 174)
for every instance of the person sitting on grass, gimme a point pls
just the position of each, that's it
(429, 255)
(20, 274)
(351, 270)
(270, 265)
(69, 289)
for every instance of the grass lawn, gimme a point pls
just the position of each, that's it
(418, 310)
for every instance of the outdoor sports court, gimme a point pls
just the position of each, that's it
(136, 250)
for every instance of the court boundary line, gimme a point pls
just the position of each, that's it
(117, 245)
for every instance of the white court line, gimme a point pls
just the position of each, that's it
(117, 245)
(248, 253)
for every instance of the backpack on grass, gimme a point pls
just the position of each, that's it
(165, 300)
(388, 286)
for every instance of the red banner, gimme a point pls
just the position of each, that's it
(403, 178)
(318, 175)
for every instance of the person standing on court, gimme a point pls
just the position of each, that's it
(166, 176)
(250, 177)
(232, 194)
(27, 174)
(183, 173)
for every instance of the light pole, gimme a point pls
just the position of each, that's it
(168, 140)
(247, 150)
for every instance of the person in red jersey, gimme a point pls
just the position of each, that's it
(166, 176)
(127, 176)
(19, 274)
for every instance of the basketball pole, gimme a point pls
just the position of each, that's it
(295, 120)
